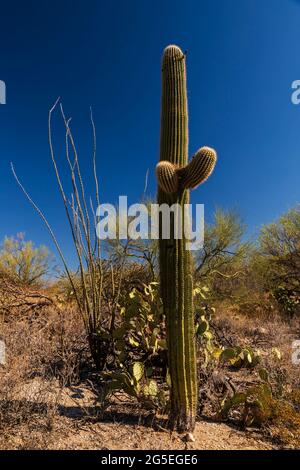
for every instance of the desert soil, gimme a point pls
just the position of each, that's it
(123, 426)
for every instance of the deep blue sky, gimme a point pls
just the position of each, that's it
(242, 58)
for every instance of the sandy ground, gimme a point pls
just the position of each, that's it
(75, 424)
(209, 436)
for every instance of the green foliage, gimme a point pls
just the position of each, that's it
(238, 357)
(141, 330)
(277, 262)
(137, 382)
(139, 348)
(287, 298)
(22, 261)
(221, 264)
(256, 404)
(255, 278)
(203, 316)
(140, 343)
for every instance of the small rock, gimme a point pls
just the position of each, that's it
(188, 437)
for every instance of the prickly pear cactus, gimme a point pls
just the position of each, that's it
(175, 176)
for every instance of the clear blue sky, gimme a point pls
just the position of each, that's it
(242, 58)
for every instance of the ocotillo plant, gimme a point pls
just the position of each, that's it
(175, 176)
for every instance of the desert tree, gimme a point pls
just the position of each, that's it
(277, 260)
(23, 261)
(222, 261)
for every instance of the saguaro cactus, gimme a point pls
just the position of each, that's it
(175, 176)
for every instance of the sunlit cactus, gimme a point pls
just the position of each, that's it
(199, 168)
(175, 175)
(167, 176)
(171, 178)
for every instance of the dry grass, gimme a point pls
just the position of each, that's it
(44, 353)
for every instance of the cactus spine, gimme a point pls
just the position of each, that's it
(174, 176)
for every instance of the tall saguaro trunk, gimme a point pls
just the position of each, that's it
(175, 176)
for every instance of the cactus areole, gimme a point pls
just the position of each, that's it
(175, 177)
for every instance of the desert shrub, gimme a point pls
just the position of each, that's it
(288, 299)
(255, 403)
(277, 262)
(23, 262)
(81, 218)
(259, 407)
(285, 419)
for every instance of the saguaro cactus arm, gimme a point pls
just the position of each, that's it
(171, 178)
(199, 168)
(167, 176)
